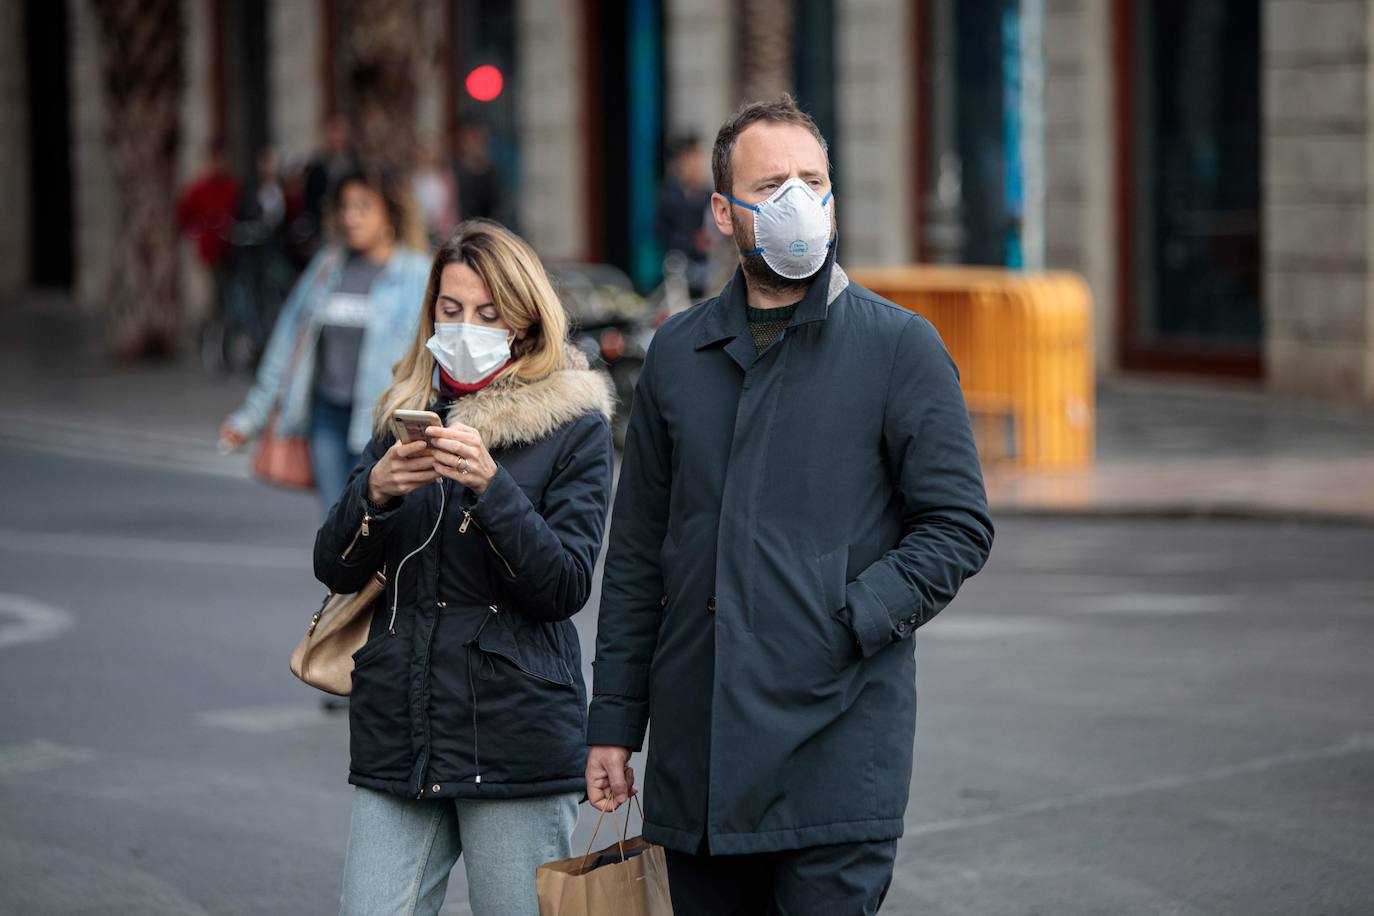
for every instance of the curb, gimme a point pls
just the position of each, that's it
(1188, 512)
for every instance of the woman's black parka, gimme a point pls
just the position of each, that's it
(472, 687)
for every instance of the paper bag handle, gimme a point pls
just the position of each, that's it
(624, 836)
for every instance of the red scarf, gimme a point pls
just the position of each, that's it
(451, 388)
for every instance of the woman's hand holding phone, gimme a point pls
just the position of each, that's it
(405, 467)
(461, 455)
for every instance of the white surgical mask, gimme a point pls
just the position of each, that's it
(791, 229)
(469, 352)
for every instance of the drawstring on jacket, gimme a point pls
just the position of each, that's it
(472, 686)
(396, 592)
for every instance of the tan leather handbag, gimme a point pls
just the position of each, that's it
(324, 656)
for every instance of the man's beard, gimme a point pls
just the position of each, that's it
(761, 277)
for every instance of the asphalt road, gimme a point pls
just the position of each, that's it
(1116, 717)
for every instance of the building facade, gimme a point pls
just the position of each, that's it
(1207, 165)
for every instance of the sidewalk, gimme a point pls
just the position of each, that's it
(1164, 448)
(1167, 448)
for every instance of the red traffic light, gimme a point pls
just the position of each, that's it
(484, 83)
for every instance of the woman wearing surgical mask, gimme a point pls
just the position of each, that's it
(468, 710)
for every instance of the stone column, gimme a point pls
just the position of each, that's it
(1080, 220)
(93, 209)
(876, 83)
(1318, 189)
(14, 151)
(697, 72)
(295, 36)
(552, 126)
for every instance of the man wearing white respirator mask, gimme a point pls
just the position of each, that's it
(800, 492)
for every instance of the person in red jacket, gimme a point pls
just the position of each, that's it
(205, 210)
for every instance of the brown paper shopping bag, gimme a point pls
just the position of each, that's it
(629, 878)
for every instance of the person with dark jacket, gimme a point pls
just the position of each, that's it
(468, 709)
(799, 493)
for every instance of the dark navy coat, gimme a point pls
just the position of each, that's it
(479, 692)
(783, 525)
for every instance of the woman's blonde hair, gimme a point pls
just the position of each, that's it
(523, 296)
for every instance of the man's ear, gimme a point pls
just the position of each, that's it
(720, 212)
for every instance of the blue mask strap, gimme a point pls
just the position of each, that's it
(740, 203)
(825, 200)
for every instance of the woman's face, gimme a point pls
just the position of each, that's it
(463, 297)
(363, 213)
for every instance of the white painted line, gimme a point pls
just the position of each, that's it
(39, 756)
(1157, 603)
(138, 448)
(26, 620)
(265, 720)
(984, 626)
(156, 550)
(1357, 745)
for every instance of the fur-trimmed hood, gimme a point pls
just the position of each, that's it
(511, 412)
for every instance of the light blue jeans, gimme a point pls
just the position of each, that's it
(330, 458)
(401, 850)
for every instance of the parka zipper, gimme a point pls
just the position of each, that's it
(363, 531)
(463, 529)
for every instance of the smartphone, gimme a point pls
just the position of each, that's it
(412, 424)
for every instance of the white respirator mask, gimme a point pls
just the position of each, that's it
(791, 229)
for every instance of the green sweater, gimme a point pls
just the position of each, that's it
(767, 325)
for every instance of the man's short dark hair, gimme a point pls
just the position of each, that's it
(782, 110)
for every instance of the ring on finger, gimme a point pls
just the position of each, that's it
(462, 465)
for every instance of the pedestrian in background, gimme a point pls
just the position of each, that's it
(480, 183)
(345, 324)
(335, 159)
(433, 185)
(684, 209)
(800, 491)
(489, 535)
(205, 215)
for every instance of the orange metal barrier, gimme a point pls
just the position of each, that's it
(1023, 344)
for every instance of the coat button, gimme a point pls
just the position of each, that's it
(434, 788)
(442, 603)
(913, 620)
(711, 604)
(663, 602)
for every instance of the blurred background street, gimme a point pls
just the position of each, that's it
(1141, 227)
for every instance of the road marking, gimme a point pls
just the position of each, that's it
(1153, 603)
(146, 449)
(39, 756)
(985, 626)
(152, 549)
(1355, 745)
(265, 720)
(27, 620)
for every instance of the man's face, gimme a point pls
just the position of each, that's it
(766, 156)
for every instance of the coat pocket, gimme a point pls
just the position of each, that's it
(529, 712)
(519, 646)
(833, 569)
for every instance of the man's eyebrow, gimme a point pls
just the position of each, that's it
(811, 173)
(776, 179)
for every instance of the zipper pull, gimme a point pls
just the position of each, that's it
(367, 520)
(467, 520)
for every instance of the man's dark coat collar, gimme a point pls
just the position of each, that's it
(727, 317)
